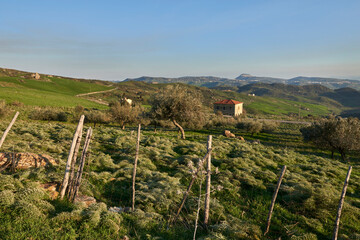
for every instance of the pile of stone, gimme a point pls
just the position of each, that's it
(26, 160)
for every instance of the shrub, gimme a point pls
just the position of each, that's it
(48, 114)
(96, 117)
(6, 198)
(269, 126)
(3, 109)
(250, 126)
(17, 104)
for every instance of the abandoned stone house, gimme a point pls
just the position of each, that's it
(229, 107)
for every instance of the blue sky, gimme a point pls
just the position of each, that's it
(114, 40)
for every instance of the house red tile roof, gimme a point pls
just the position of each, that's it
(228, 101)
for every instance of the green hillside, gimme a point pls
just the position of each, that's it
(141, 92)
(48, 90)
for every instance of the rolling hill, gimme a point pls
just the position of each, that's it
(275, 100)
(48, 90)
(244, 79)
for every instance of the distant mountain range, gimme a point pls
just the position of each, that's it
(244, 79)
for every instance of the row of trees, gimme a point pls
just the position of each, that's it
(334, 134)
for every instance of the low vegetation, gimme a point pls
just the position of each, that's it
(244, 172)
(244, 178)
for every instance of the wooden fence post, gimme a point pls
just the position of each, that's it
(274, 199)
(135, 165)
(208, 183)
(70, 157)
(341, 204)
(8, 129)
(186, 194)
(73, 162)
(77, 181)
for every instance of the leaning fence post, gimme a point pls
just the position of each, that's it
(274, 199)
(8, 129)
(70, 157)
(135, 165)
(341, 204)
(73, 162)
(208, 183)
(77, 181)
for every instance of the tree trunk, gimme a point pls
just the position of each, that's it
(341, 204)
(135, 165)
(274, 199)
(343, 156)
(180, 128)
(70, 157)
(332, 154)
(123, 127)
(208, 183)
(8, 129)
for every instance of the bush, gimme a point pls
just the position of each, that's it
(269, 126)
(220, 121)
(250, 126)
(96, 117)
(3, 109)
(17, 104)
(48, 114)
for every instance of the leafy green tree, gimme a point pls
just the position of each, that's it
(178, 104)
(124, 113)
(335, 134)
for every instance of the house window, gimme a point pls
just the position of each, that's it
(223, 108)
(230, 107)
(217, 107)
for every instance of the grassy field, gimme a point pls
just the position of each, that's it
(244, 177)
(56, 92)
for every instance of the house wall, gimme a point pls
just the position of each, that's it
(229, 109)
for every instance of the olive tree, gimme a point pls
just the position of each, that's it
(335, 134)
(178, 104)
(124, 113)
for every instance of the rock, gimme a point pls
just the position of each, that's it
(35, 76)
(51, 189)
(27, 160)
(228, 134)
(240, 138)
(120, 209)
(116, 209)
(85, 199)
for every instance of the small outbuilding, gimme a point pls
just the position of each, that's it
(229, 107)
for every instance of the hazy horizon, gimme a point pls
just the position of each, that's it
(115, 40)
